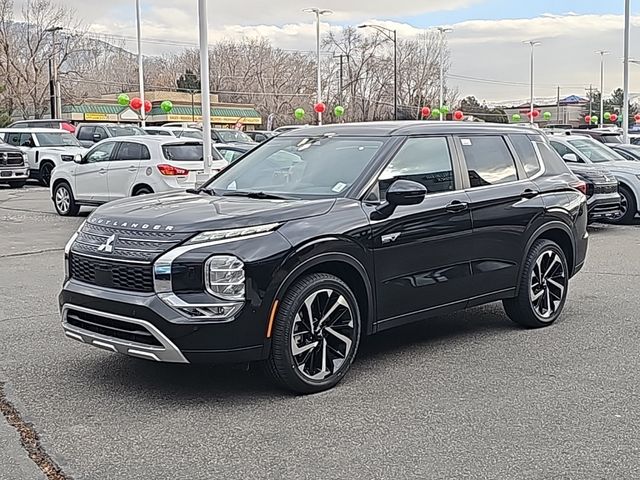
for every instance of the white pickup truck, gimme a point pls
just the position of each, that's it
(46, 149)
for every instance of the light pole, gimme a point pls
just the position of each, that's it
(318, 12)
(56, 102)
(625, 87)
(140, 66)
(391, 35)
(532, 44)
(602, 53)
(443, 31)
(203, 26)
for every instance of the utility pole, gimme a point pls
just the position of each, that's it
(558, 106)
(602, 53)
(203, 27)
(341, 78)
(56, 112)
(532, 44)
(443, 31)
(143, 113)
(590, 100)
(52, 90)
(625, 87)
(318, 12)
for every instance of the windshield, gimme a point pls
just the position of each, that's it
(299, 167)
(126, 131)
(230, 136)
(187, 152)
(594, 151)
(612, 139)
(57, 139)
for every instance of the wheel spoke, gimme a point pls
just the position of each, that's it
(340, 302)
(343, 338)
(297, 350)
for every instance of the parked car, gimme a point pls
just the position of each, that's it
(603, 135)
(45, 123)
(233, 151)
(578, 148)
(226, 135)
(128, 166)
(91, 133)
(178, 132)
(46, 149)
(260, 135)
(323, 236)
(14, 169)
(603, 199)
(627, 151)
(634, 138)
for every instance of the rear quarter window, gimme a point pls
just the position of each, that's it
(526, 153)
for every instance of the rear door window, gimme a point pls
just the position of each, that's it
(489, 161)
(132, 151)
(86, 133)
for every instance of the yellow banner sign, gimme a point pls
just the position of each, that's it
(216, 120)
(96, 116)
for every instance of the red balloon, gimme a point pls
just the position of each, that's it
(320, 107)
(426, 111)
(613, 118)
(458, 115)
(637, 117)
(135, 103)
(536, 113)
(147, 106)
(587, 118)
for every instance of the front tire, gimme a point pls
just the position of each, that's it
(543, 287)
(44, 177)
(628, 207)
(64, 202)
(316, 334)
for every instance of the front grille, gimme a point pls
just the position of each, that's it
(606, 188)
(11, 159)
(118, 275)
(111, 328)
(115, 243)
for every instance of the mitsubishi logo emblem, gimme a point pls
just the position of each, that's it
(107, 247)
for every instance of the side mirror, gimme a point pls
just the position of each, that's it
(570, 157)
(400, 193)
(78, 158)
(97, 137)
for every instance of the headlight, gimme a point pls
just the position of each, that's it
(224, 277)
(234, 233)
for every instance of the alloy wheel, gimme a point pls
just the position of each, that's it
(45, 174)
(323, 334)
(624, 205)
(63, 199)
(548, 284)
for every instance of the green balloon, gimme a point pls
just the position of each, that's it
(607, 115)
(299, 113)
(547, 115)
(435, 113)
(123, 99)
(338, 111)
(516, 117)
(594, 119)
(444, 109)
(166, 106)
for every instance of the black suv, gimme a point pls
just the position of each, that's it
(326, 234)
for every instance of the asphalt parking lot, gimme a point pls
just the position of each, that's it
(468, 395)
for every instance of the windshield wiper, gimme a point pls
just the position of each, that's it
(258, 195)
(200, 190)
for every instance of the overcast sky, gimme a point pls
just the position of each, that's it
(488, 57)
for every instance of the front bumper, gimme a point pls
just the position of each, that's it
(142, 325)
(14, 174)
(602, 206)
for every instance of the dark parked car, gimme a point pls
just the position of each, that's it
(628, 152)
(324, 235)
(602, 135)
(603, 198)
(233, 151)
(91, 133)
(227, 135)
(260, 135)
(45, 123)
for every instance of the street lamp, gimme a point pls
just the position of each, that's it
(625, 87)
(390, 35)
(205, 102)
(532, 44)
(443, 31)
(602, 53)
(140, 67)
(56, 100)
(318, 12)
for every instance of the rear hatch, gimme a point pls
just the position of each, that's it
(186, 157)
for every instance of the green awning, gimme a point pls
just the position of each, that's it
(106, 108)
(215, 111)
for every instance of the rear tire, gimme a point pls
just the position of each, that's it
(64, 202)
(316, 334)
(19, 184)
(629, 207)
(44, 177)
(543, 287)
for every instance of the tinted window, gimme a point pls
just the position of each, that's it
(231, 136)
(86, 133)
(101, 153)
(552, 161)
(488, 160)
(102, 132)
(423, 160)
(230, 155)
(133, 151)
(526, 153)
(55, 139)
(188, 152)
(125, 130)
(561, 148)
(19, 139)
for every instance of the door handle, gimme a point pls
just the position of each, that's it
(529, 193)
(102, 171)
(457, 206)
(133, 168)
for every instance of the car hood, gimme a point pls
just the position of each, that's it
(625, 166)
(592, 172)
(188, 212)
(63, 150)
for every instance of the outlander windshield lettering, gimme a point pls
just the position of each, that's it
(324, 235)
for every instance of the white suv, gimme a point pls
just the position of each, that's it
(128, 166)
(46, 149)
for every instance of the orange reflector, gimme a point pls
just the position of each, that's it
(272, 317)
